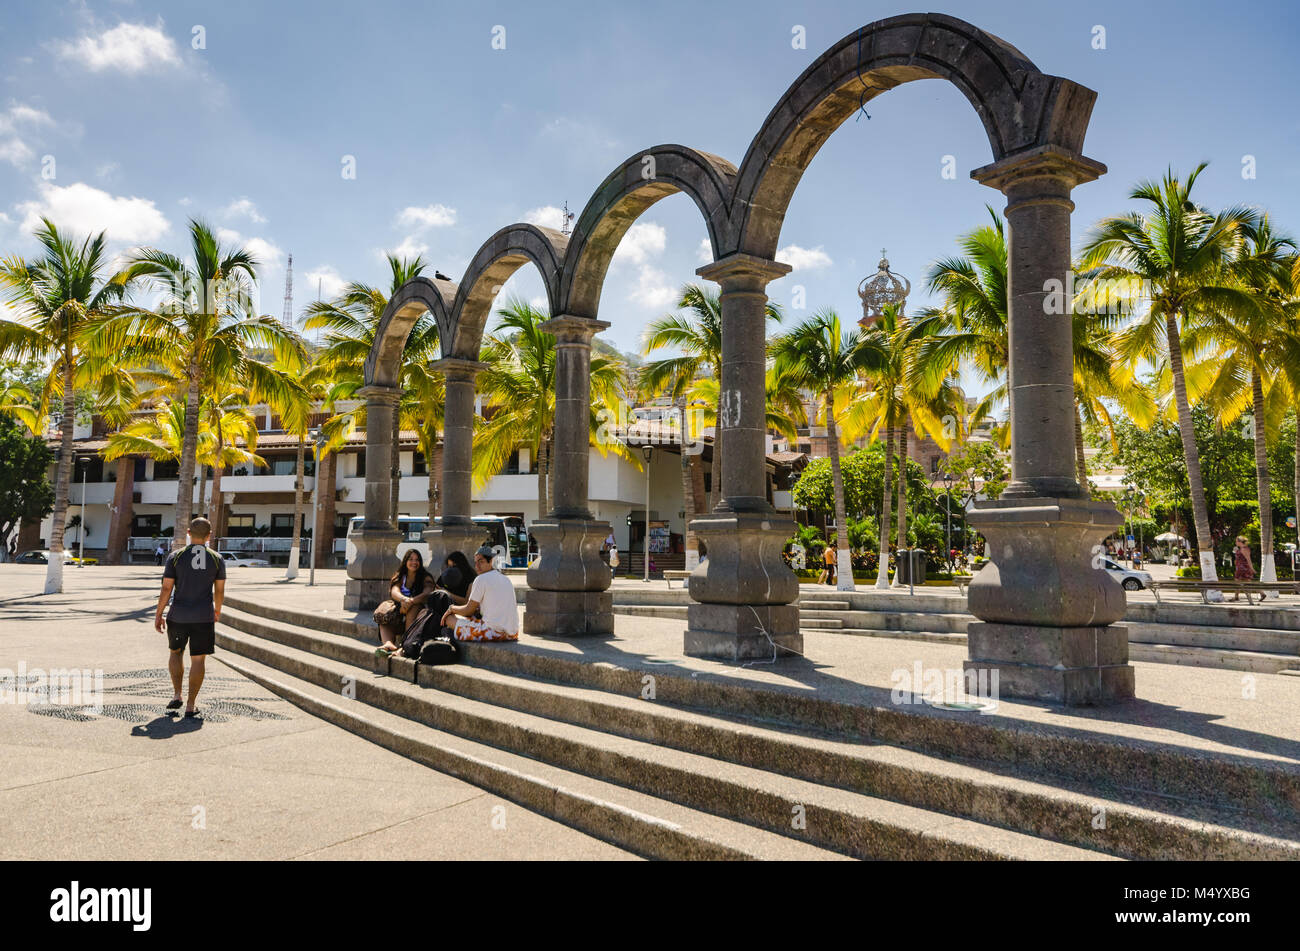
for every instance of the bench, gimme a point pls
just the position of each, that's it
(1248, 588)
(670, 576)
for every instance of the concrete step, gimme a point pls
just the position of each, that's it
(808, 620)
(1228, 638)
(933, 637)
(1136, 826)
(1257, 786)
(822, 604)
(1259, 662)
(645, 825)
(830, 818)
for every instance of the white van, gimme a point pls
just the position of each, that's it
(412, 528)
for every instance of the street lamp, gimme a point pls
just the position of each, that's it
(1128, 515)
(84, 462)
(647, 451)
(318, 438)
(947, 530)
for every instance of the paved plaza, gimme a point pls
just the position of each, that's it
(258, 779)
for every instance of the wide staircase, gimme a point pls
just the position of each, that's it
(671, 765)
(1260, 639)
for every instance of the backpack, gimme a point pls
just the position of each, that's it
(439, 650)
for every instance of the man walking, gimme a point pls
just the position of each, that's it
(492, 613)
(195, 581)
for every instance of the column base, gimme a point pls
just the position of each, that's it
(569, 555)
(744, 564)
(568, 613)
(444, 539)
(737, 631)
(1074, 666)
(364, 594)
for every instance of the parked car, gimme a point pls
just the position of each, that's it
(236, 560)
(1131, 579)
(41, 556)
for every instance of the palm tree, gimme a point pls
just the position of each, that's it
(518, 390)
(826, 359)
(351, 322)
(698, 336)
(1179, 255)
(909, 380)
(1252, 354)
(60, 298)
(205, 329)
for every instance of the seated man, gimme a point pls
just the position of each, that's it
(491, 613)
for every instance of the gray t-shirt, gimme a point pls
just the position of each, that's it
(194, 569)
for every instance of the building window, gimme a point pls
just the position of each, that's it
(146, 526)
(419, 465)
(341, 521)
(240, 526)
(512, 464)
(361, 464)
(282, 525)
(166, 471)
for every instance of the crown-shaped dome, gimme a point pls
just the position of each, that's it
(882, 288)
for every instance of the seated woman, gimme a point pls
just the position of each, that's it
(410, 587)
(456, 577)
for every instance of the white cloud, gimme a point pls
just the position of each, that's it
(16, 121)
(704, 254)
(548, 216)
(325, 281)
(245, 208)
(409, 248)
(264, 252)
(804, 259)
(539, 303)
(642, 242)
(81, 209)
(422, 219)
(652, 290)
(129, 47)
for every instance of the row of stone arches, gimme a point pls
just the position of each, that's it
(1035, 125)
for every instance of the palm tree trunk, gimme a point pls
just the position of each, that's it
(1079, 462)
(189, 449)
(1204, 542)
(62, 482)
(902, 494)
(882, 572)
(299, 477)
(203, 490)
(688, 489)
(217, 510)
(1296, 496)
(396, 474)
(844, 568)
(1267, 569)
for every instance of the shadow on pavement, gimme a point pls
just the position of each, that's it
(165, 727)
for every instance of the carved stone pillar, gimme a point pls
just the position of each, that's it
(377, 539)
(456, 531)
(1045, 603)
(568, 587)
(743, 592)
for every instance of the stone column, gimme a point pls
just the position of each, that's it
(322, 532)
(743, 593)
(377, 540)
(119, 527)
(1045, 605)
(455, 531)
(568, 587)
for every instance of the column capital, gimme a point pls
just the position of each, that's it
(1046, 161)
(742, 265)
(458, 368)
(570, 328)
(378, 393)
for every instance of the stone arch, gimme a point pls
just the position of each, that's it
(639, 182)
(1020, 107)
(500, 256)
(404, 308)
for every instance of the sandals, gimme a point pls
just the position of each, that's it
(173, 704)
(194, 714)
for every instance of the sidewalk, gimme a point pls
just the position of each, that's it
(259, 779)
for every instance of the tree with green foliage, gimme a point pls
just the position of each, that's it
(25, 490)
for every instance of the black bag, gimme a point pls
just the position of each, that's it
(439, 650)
(432, 613)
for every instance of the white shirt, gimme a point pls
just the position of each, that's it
(495, 596)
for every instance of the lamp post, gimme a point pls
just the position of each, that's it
(947, 528)
(84, 462)
(319, 439)
(647, 451)
(1128, 515)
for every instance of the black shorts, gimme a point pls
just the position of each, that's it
(201, 635)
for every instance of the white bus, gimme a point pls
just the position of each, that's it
(497, 532)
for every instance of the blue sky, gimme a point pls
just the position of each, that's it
(454, 139)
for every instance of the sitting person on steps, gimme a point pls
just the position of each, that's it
(492, 612)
